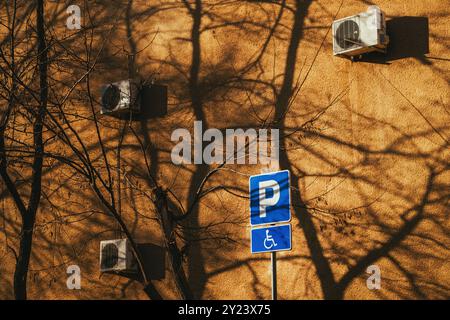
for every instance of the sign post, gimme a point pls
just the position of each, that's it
(270, 201)
(274, 275)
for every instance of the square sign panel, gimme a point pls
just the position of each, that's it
(270, 239)
(270, 198)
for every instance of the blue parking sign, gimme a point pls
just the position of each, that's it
(270, 239)
(270, 198)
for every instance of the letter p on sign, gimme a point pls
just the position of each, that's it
(270, 198)
(269, 195)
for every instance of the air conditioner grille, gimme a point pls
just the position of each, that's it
(110, 256)
(347, 34)
(111, 97)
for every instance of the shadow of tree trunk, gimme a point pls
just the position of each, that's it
(331, 288)
(196, 263)
(162, 203)
(321, 264)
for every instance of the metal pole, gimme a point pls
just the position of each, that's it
(274, 275)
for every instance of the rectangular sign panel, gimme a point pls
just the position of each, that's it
(269, 239)
(270, 198)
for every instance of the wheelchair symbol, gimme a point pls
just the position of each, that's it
(269, 243)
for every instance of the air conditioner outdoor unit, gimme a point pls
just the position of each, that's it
(121, 97)
(116, 255)
(362, 33)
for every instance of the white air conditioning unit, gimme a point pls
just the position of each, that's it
(362, 33)
(121, 97)
(116, 255)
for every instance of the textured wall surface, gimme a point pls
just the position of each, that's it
(366, 143)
